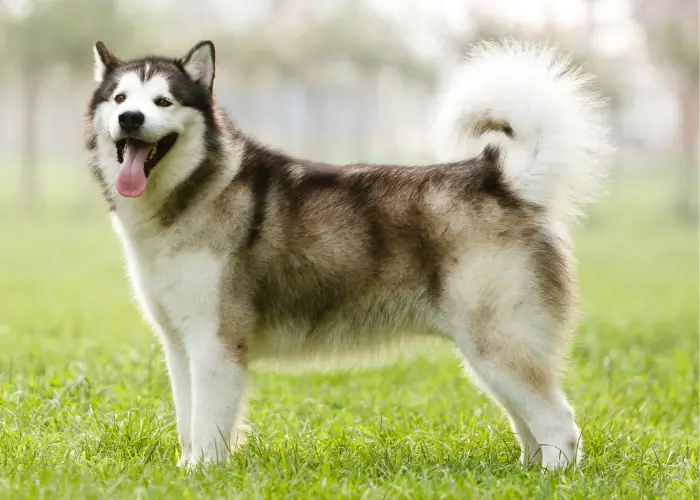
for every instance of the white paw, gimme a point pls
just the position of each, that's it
(184, 460)
(554, 458)
(185, 456)
(205, 458)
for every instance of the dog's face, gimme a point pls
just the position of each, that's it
(149, 116)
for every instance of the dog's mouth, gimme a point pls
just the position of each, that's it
(137, 159)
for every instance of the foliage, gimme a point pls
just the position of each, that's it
(672, 35)
(368, 41)
(607, 79)
(352, 35)
(61, 33)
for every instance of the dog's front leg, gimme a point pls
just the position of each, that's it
(179, 371)
(219, 380)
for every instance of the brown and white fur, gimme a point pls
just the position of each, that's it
(240, 255)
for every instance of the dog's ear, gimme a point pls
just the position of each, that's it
(104, 62)
(199, 64)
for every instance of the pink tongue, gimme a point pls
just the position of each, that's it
(131, 179)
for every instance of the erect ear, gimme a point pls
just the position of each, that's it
(104, 61)
(199, 64)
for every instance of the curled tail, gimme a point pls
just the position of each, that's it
(541, 114)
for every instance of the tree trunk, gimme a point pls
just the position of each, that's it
(688, 204)
(29, 175)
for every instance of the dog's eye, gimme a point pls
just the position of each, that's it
(162, 102)
(119, 98)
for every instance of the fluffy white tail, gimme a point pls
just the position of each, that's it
(539, 111)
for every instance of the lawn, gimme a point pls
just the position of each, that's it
(86, 412)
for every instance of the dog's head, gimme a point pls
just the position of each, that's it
(148, 117)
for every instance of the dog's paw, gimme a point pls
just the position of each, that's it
(556, 459)
(185, 455)
(205, 459)
(184, 460)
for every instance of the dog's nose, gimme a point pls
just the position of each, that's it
(131, 120)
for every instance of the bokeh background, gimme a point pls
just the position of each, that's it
(342, 80)
(82, 391)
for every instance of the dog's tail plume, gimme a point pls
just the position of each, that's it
(540, 113)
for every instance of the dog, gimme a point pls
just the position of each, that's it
(241, 255)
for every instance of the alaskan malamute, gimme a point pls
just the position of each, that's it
(240, 254)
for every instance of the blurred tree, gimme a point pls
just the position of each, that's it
(365, 45)
(360, 37)
(48, 34)
(573, 43)
(672, 37)
(315, 45)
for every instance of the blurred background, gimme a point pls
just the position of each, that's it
(340, 80)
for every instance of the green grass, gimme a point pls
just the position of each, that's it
(86, 412)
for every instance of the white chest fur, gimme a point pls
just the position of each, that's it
(177, 289)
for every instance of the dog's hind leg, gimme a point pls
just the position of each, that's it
(525, 382)
(516, 359)
(530, 452)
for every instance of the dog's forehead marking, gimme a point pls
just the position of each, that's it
(131, 84)
(128, 83)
